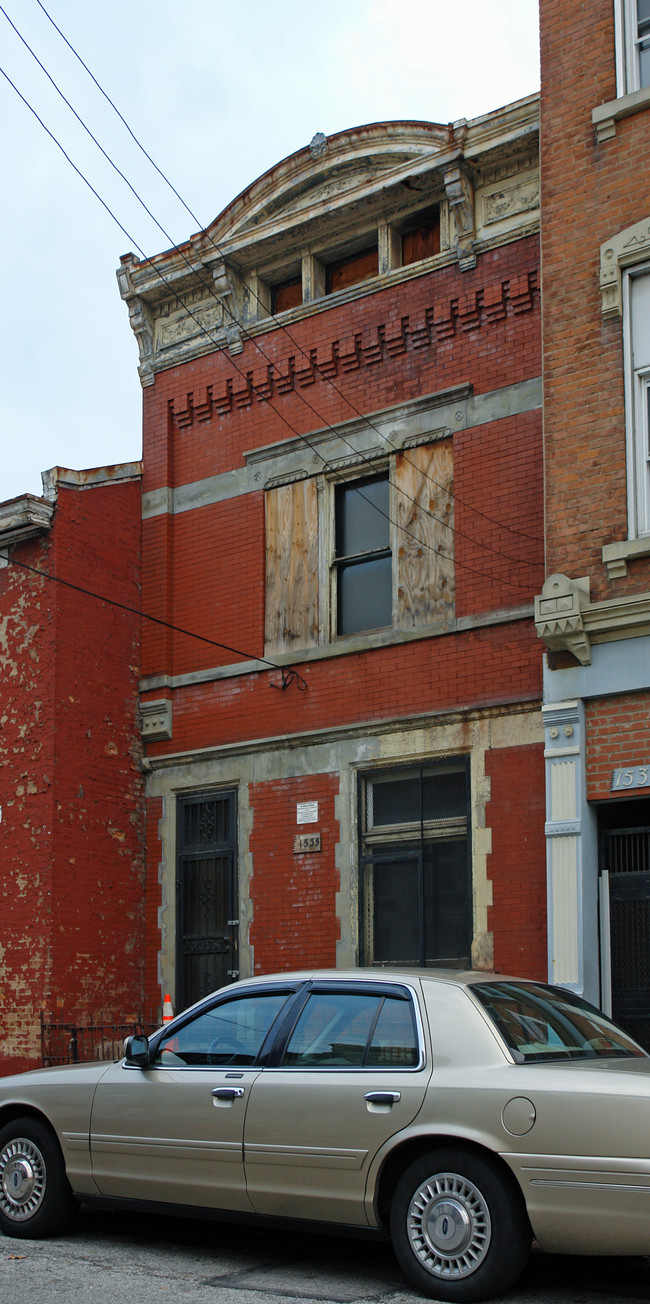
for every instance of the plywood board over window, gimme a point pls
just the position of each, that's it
(424, 516)
(292, 566)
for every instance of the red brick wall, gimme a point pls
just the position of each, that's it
(479, 667)
(294, 924)
(437, 330)
(618, 736)
(71, 931)
(26, 775)
(590, 191)
(517, 864)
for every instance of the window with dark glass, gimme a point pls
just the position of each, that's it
(363, 555)
(415, 880)
(421, 237)
(232, 1032)
(353, 1030)
(351, 270)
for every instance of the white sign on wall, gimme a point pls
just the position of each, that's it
(307, 812)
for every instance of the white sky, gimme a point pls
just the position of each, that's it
(217, 92)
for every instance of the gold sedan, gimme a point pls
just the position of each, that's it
(461, 1114)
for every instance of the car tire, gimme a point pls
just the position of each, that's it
(35, 1196)
(458, 1227)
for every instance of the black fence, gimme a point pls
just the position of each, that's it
(75, 1043)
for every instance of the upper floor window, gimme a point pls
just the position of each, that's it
(367, 553)
(286, 294)
(351, 270)
(421, 237)
(363, 572)
(633, 44)
(637, 349)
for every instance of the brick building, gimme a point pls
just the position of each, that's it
(71, 788)
(594, 609)
(341, 540)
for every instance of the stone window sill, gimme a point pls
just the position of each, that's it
(605, 116)
(617, 555)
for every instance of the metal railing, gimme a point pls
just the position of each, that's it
(75, 1043)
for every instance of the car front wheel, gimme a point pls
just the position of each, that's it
(458, 1228)
(35, 1195)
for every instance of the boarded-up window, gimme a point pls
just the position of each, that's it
(292, 566)
(421, 237)
(352, 270)
(288, 294)
(424, 507)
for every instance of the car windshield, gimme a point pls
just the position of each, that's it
(545, 1023)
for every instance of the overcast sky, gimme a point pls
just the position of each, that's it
(217, 92)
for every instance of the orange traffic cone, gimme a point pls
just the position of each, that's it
(168, 1012)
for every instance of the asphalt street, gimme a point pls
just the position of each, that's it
(114, 1257)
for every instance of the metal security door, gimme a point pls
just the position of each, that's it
(625, 858)
(206, 895)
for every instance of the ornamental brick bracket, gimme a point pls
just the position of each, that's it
(559, 618)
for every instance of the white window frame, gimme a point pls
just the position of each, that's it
(628, 77)
(637, 400)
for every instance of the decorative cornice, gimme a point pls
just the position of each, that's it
(567, 621)
(376, 344)
(559, 616)
(24, 518)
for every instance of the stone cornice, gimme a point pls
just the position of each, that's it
(24, 518)
(567, 620)
(214, 291)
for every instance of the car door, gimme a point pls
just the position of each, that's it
(348, 1073)
(173, 1131)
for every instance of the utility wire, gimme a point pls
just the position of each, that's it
(233, 267)
(328, 466)
(288, 673)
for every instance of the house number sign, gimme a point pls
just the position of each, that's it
(632, 776)
(306, 842)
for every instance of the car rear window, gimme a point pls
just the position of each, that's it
(543, 1023)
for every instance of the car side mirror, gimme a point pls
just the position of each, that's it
(136, 1051)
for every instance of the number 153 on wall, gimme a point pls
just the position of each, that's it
(632, 776)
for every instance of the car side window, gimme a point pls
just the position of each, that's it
(231, 1032)
(353, 1030)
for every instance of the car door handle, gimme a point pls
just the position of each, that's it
(228, 1093)
(383, 1097)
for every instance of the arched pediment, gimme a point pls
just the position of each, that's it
(331, 169)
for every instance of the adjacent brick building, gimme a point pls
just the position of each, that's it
(594, 609)
(71, 787)
(342, 536)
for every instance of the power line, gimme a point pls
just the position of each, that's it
(328, 466)
(289, 674)
(233, 267)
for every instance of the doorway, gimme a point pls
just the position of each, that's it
(206, 895)
(624, 866)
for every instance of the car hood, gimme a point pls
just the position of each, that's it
(16, 1084)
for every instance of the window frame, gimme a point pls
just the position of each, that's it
(336, 563)
(626, 27)
(637, 416)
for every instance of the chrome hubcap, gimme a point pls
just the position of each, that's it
(22, 1179)
(449, 1226)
